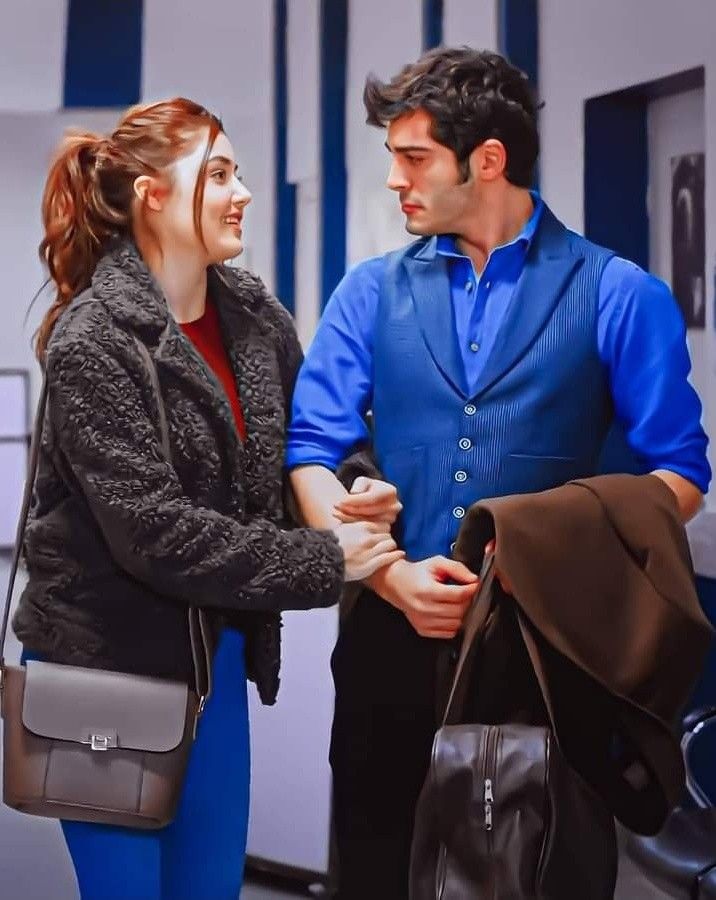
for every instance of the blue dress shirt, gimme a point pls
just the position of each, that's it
(641, 340)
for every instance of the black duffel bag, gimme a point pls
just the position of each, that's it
(502, 816)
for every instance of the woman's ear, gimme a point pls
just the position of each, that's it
(150, 192)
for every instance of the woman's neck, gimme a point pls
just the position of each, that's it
(182, 278)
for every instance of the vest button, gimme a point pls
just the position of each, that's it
(459, 512)
(461, 476)
(464, 443)
(470, 409)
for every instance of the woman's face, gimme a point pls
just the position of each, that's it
(225, 199)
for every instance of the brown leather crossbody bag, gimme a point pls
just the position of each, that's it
(89, 744)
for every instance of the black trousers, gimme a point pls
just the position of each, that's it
(383, 728)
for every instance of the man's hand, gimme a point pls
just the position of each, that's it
(419, 590)
(504, 583)
(369, 500)
(688, 496)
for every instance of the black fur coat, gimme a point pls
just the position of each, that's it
(120, 541)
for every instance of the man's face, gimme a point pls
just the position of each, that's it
(426, 176)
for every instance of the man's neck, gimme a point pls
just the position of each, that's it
(498, 220)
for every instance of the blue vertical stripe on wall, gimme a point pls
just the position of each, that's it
(615, 211)
(432, 23)
(518, 40)
(103, 53)
(334, 52)
(285, 224)
(615, 214)
(518, 34)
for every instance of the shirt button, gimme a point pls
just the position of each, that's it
(474, 347)
(470, 409)
(464, 443)
(461, 476)
(459, 512)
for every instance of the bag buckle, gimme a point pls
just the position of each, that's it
(99, 742)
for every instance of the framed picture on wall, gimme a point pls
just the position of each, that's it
(688, 238)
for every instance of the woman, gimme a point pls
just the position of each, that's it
(121, 539)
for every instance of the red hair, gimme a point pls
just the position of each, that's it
(89, 191)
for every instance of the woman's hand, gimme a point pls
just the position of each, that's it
(369, 500)
(367, 547)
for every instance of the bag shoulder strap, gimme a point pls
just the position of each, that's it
(32, 465)
(199, 631)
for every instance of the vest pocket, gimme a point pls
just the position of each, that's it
(526, 473)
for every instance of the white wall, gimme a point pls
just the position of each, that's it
(384, 35)
(220, 53)
(595, 47)
(303, 157)
(32, 51)
(473, 22)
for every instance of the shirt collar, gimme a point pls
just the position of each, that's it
(447, 243)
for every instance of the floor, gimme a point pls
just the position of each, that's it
(631, 885)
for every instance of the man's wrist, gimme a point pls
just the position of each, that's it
(381, 581)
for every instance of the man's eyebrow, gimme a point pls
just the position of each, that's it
(225, 160)
(407, 148)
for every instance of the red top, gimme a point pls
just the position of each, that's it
(205, 335)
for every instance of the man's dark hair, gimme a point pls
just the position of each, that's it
(471, 96)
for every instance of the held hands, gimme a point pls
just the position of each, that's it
(365, 516)
(369, 500)
(367, 547)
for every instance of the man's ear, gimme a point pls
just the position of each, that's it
(150, 192)
(488, 161)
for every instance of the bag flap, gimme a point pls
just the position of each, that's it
(104, 709)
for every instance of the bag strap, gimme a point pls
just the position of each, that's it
(474, 629)
(24, 511)
(199, 631)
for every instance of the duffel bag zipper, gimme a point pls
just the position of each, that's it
(490, 764)
(489, 781)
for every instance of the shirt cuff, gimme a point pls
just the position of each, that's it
(310, 455)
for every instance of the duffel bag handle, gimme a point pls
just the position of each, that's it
(473, 631)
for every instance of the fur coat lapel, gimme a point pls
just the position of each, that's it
(136, 302)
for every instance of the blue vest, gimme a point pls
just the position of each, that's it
(539, 413)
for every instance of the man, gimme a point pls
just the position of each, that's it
(494, 353)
